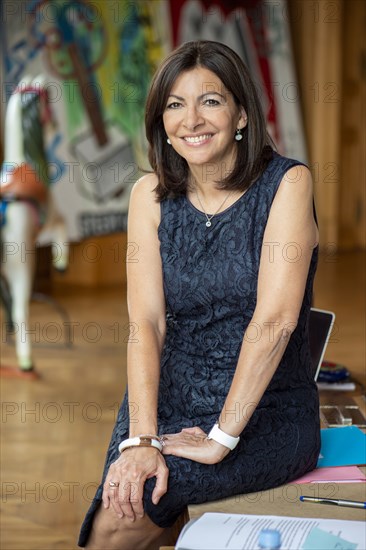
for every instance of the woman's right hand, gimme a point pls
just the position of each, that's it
(130, 471)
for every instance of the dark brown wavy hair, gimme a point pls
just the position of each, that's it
(255, 149)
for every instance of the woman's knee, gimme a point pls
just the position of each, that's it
(104, 530)
(112, 533)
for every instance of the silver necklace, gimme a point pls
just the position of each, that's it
(209, 218)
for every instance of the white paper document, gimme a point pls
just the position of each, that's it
(216, 531)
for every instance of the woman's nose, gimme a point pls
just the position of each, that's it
(193, 117)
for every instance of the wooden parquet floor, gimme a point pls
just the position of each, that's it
(55, 431)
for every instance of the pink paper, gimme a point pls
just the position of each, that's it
(338, 474)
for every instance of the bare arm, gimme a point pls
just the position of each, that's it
(146, 307)
(281, 285)
(288, 243)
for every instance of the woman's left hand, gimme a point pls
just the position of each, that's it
(192, 443)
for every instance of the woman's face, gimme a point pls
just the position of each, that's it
(200, 119)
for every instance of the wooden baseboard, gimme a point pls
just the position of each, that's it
(96, 262)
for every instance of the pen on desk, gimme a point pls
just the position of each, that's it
(335, 502)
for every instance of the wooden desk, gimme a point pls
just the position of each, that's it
(284, 501)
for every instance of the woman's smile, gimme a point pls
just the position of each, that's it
(198, 140)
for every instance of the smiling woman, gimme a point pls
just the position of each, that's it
(201, 125)
(221, 398)
(221, 91)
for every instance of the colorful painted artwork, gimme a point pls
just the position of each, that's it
(98, 58)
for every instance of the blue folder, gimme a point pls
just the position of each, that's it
(344, 446)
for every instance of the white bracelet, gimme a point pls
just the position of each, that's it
(221, 437)
(141, 441)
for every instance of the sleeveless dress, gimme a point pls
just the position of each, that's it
(210, 285)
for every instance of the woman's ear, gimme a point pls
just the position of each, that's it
(243, 120)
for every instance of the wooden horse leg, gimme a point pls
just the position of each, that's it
(6, 303)
(18, 267)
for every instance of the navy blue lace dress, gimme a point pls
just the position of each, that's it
(210, 284)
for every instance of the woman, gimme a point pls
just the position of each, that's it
(221, 394)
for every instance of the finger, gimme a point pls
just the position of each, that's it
(124, 498)
(181, 436)
(105, 498)
(177, 442)
(196, 430)
(107, 490)
(114, 501)
(161, 485)
(137, 491)
(189, 430)
(182, 440)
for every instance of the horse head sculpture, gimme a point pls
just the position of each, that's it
(27, 207)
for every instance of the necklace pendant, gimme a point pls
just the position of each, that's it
(208, 223)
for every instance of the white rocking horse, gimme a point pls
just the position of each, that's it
(27, 208)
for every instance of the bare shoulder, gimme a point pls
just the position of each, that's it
(292, 210)
(297, 182)
(144, 187)
(143, 197)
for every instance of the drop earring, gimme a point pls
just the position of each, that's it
(238, 135)
(168, 141)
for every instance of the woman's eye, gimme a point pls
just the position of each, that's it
(173, 105)
(212, 102)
